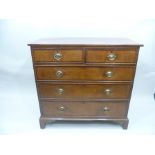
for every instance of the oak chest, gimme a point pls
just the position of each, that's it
(84, 78)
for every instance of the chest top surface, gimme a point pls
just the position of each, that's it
(85, 42)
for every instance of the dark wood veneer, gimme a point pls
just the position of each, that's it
(85, 73)
(83, 91)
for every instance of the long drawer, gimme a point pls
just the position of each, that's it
(85, 73)
(84, 109)
(84, 91)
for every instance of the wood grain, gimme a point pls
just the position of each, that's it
(122, 56)
(79, 93)
(68, 55)
(84, 91)
(85, 73)
(84, 109)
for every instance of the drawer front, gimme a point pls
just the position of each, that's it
(85, 73)
(84, 109)
(64, 55)
(84, 91)
(111, 56)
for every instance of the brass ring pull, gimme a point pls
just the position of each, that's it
(60, 91)
(57, 56)
(108, 91)
(111, 57)
(61, 108)
(106, 108)
(59, 74)
(109, 74)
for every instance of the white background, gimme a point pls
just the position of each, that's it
(19, 110)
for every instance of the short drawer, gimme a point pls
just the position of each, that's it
(85, 73)
(84, 91)
(53, 55)
(84, 109)
(111, 56)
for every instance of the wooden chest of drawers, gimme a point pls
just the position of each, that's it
(84, 78)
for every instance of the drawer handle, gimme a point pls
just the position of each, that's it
(59, 74)
(108, 91)
(106, 109)
(61, 108)
(57, 56)
(109, 74)
(111, 57)
(60, 91)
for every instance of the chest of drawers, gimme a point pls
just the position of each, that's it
(84, 79)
